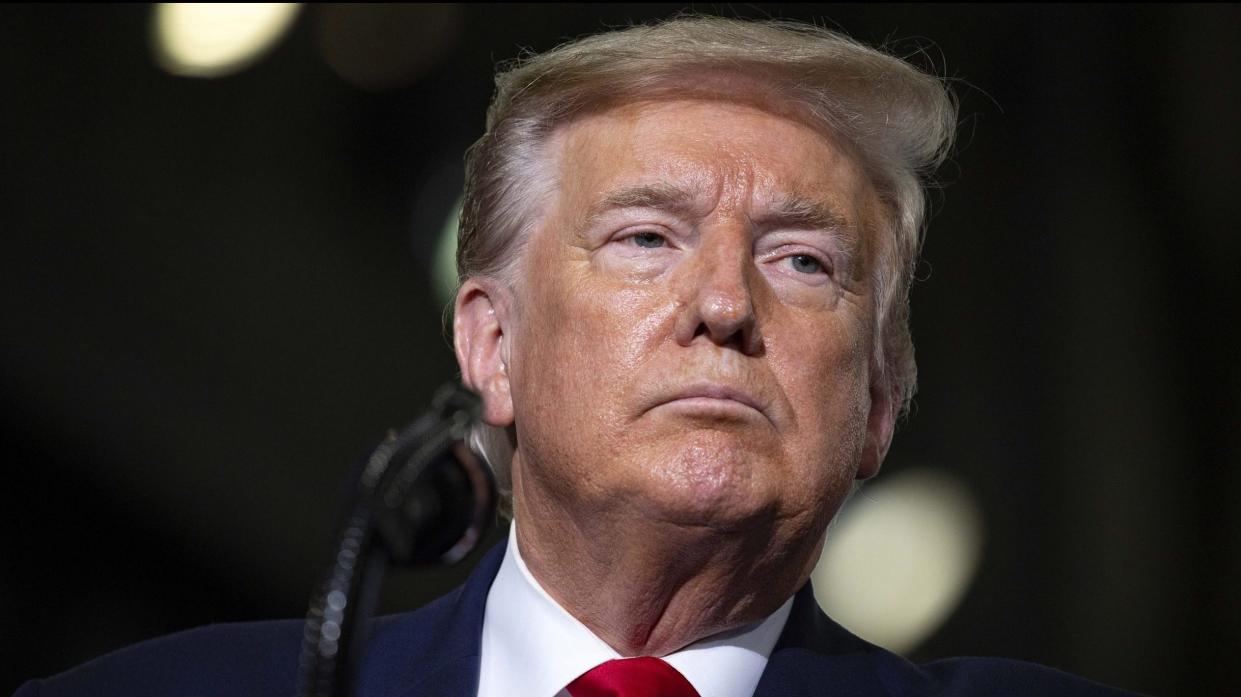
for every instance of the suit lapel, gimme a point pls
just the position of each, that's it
(433, 650)
(816, 656)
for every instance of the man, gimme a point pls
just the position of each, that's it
(685, 255)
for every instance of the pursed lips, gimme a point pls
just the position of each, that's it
(715, 392)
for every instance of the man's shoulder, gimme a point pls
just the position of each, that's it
(435, 645)
(243, 658)
(236, 659)
(876, 672)
(817, 656)
(976, 677)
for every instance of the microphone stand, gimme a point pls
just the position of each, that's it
(422, 498)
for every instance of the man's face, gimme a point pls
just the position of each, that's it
(692, 333)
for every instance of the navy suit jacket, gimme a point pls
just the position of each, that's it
(434, 651)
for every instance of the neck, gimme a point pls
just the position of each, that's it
(648, 587)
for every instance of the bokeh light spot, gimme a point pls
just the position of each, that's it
(444, 263)
(900, 557)
(215, 39)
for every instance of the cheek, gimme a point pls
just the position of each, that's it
(579, 354)
(586, 343)
(830, 395)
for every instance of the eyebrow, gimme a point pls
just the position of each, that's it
(804, 213)
(658, 196)
(787, 211)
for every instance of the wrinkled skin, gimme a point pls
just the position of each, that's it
(687, 364)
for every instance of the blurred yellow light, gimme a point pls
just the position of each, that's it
(214, 39)
(899, 558)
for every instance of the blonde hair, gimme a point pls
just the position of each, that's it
(896, 120)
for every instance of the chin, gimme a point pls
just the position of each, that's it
(709, 481)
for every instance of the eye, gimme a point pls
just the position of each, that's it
(804, 263)
(648, 240)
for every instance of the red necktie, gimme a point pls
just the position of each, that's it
(645, 676)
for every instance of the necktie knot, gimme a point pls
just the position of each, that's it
(644, 676)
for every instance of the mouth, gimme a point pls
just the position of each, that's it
(715, 399)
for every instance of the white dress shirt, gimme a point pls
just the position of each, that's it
(532, 647)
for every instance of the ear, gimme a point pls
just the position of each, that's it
(880, 425)
(478, 327)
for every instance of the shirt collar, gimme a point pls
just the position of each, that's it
(530, 640)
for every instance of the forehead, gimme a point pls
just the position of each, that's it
(727, 152)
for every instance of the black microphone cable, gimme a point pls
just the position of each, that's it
(422, 498)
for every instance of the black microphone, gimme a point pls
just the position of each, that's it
(422, 498)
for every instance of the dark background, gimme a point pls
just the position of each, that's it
(215, 296)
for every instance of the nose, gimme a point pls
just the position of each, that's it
(720, 303)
